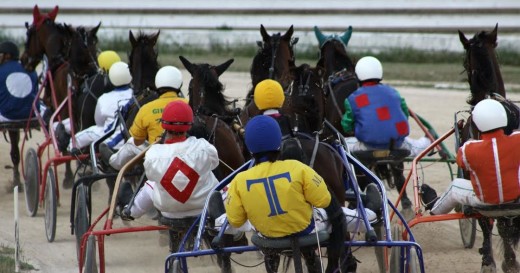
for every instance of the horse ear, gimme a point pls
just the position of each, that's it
(345, 38)
(223, 67)
(36, 14)
(463, 40)
(54, 13)
(493, 34)
(131, 38)
(287, 36)
(94, 30)
(187, 64)
(320, 36)
(265, 35)
(155, 37)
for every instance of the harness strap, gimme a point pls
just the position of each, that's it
(314, 151)
(334, 100)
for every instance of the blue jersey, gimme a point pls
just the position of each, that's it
(18, 89)
(378, 116)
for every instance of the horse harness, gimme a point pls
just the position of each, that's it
(334, 79)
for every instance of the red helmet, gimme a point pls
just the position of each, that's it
(177, 117)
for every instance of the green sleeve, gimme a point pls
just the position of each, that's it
(347, 121)
(405, 107)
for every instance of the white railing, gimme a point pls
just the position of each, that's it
(427, 24)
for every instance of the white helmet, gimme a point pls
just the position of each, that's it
(119, 74)
(168, 76)
(488, 115)
(369, 68)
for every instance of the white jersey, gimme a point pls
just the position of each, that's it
(183, 175)
(106, 107)
(109, 103)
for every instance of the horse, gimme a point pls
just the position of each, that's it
(143, 63)
(485, 81)
(212, 111)
(143, 66)
(273, 60)
(44, 36)
(212, 115)
(339, 76)
(306, 99)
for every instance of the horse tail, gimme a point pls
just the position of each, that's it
(338, 234)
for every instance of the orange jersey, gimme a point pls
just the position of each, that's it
(494, 166)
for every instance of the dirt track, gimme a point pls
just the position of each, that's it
(140, 252)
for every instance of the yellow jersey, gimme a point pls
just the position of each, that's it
(147, 122)
(276, 197)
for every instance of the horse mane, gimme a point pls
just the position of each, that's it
(215, 102)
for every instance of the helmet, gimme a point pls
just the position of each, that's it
(107, 58)
(488, 115)
(368, 68)
(269, 95)
(168, 76)
(119, 74)
(10, 48)
(263, 134)
(177, 116)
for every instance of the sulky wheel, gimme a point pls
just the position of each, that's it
(468, 230)
(90, 265)
(50, 205)
(395, 251)
(414, 265)
(81, 217)
(32, 183)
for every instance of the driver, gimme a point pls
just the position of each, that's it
(376, 114)
(493, 163)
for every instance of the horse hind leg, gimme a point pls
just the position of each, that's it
(68, 180)
(397, 173)
(509, 231)
(488, 262)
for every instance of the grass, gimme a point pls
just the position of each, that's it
(406, 65)
(7, 263)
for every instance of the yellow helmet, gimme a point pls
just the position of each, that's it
(269, 95)
(107, 58)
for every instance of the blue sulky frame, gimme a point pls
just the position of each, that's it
(404, 256)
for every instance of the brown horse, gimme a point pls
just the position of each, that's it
(212, 110)
(339, 77)
(274, 60)
(43, 37)
(485, 81)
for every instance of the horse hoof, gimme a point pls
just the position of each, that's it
(511, 267)
(68, 182)
(408, 214)
(488, 269)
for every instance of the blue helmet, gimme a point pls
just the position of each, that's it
(263, 134)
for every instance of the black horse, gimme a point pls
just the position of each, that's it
(485, 81)
(339, 76)
(143, 66)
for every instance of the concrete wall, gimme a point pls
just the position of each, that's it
(378, 24)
